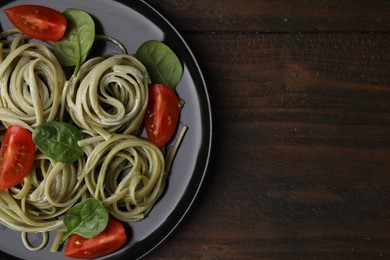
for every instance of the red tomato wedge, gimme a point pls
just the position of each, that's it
(38, 21)
(16, 156)
(108, 241)
(162, 114)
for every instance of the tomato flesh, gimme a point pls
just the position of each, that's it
(38, 21)
(162, 114)
(112, 238)
(16, 156)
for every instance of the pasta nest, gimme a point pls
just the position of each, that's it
(32, 81)
(109, 95)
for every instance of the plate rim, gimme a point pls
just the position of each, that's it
(210, 132)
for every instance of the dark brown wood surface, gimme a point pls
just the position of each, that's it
(300, 92)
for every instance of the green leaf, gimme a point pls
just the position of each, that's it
(88, 218)
(161, 62)
(58, 140)
(74, 47)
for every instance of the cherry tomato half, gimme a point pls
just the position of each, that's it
(108, 241)
(38, 21)
(162, 114)
(16, 156)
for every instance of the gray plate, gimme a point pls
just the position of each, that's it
(132, 23)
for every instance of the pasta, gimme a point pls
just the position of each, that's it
(127, 196)
(31, 81)
(107, 100)
(47, 192)
(109, 95)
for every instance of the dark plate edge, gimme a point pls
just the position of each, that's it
(186, 202)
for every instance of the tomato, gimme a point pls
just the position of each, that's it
(37, 21)
(108, 241)
(16, 156)
(162, 114)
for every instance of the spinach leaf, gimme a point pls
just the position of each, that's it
(74, 47)
(88, 218)
(58, 140)
(161, 62)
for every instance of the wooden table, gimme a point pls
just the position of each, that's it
(300, 92)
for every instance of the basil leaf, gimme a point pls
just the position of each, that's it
(58, 140)
(88, 218)
(161, 62)
(74, 47)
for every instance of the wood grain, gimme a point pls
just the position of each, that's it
(300, 167)
(276, 15)
(292, 89)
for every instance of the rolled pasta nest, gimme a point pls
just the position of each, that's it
(127, 174)
(45, 194)
(31, 80)
(109, 95)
